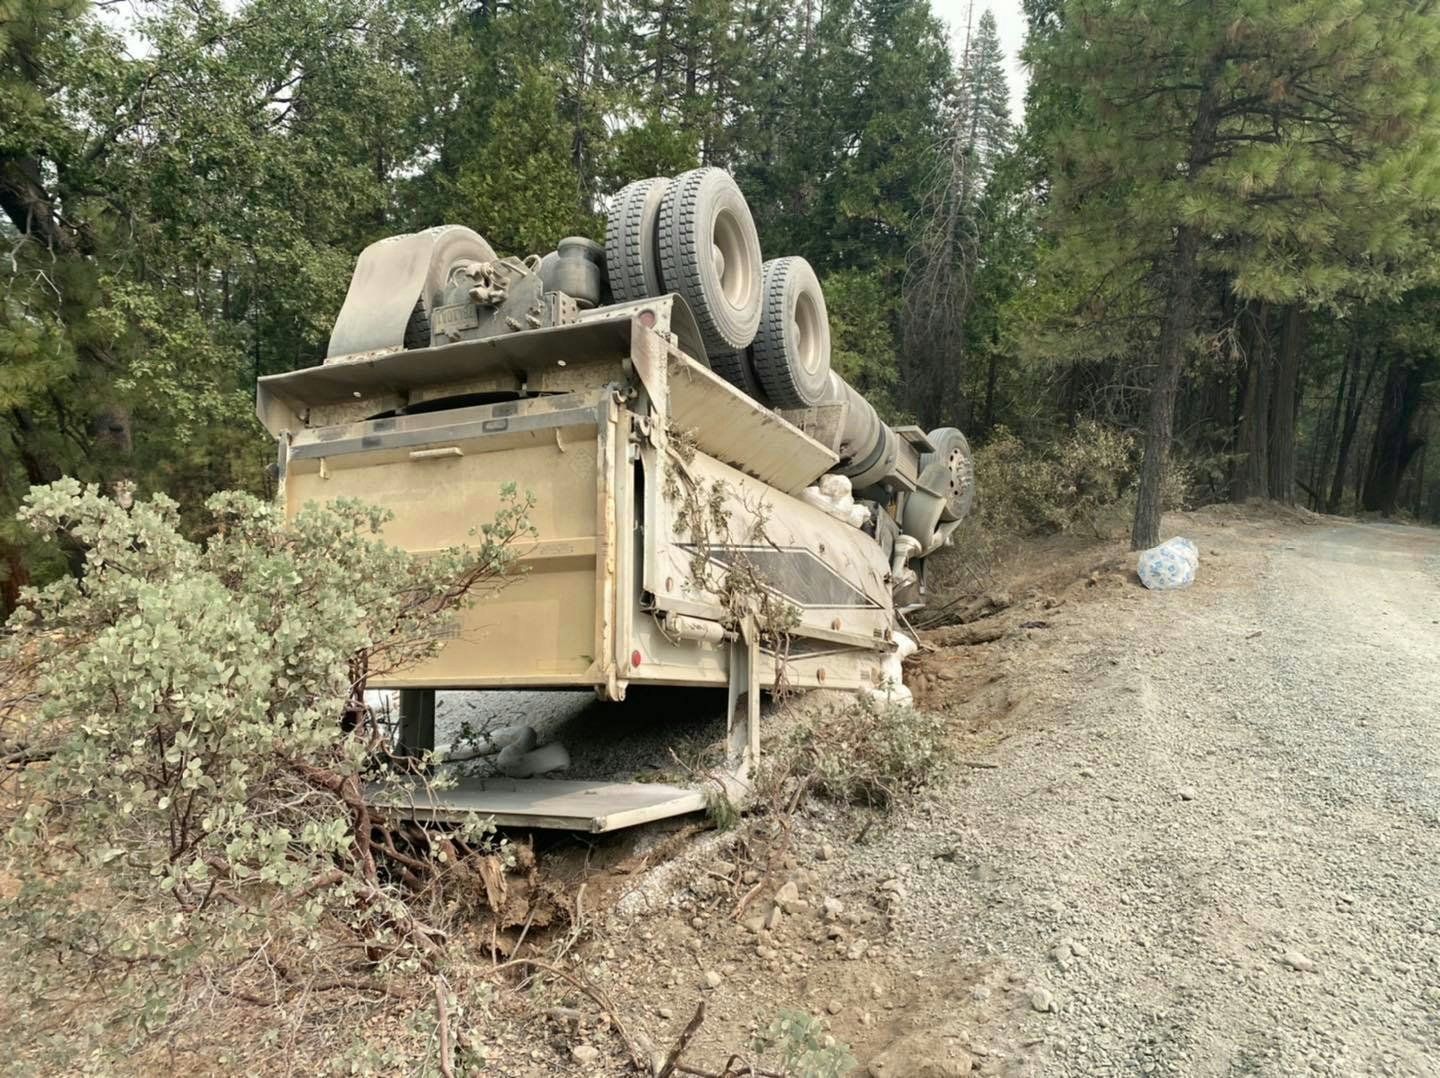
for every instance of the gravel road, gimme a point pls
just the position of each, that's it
(1217, 848)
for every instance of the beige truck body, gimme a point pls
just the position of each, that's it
(619, 436)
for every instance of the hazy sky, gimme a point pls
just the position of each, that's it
(1011, 22)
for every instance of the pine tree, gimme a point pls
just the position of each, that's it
(987, 96)
(942, 264)
(181, 218)
(1289, 148)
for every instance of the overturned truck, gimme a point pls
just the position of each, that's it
(714, 505)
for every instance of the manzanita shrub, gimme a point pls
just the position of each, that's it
(185, 745)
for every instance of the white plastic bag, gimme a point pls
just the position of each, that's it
(833, 496)
(1172, 564)
(892, 688)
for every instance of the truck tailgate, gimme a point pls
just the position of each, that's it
(442, 474)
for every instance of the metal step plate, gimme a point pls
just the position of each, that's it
(917, 438)
(550, 803)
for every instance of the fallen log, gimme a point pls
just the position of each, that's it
(963, 635)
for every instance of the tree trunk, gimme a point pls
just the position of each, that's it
(1218, 424)
(582, 70)
(1252, 478)
(1393, 447)
(1175, 328)
(14, 575)
(1321, 467)
(1174, 331)
(1283, 393)
(991, 374)
(1353, 408)
(662, 27)
(1420, 475)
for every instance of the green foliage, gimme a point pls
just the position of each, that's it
(861, 305)
(720, 811)
(217, 173)
(1201, 160)
(522, 189)
(1308, 132)
(220, 166)
(871, 754)
(1060, 486)
(799, 1045)
(199, 816)
(956, 239)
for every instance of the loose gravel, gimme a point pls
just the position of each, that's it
(1216, 850)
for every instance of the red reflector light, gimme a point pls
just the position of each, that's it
(647, 318)
(635, 658)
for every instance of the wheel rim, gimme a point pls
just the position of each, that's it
(957, 472)
(807, 333)
(731, 261)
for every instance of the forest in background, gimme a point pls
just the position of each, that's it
(1214, 231)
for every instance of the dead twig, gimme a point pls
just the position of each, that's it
(576, 927)
(801, 788)
(24, 757)
(673, 1059)
(750, 894)
(526, 930)
(729, 1071)
(442, 1027)
(963, 635)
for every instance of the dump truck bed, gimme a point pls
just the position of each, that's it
(672, 546)
(620, 438)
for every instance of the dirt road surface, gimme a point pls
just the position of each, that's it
(1200, 836)
(1235, 813)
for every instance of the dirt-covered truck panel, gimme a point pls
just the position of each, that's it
(441, 475)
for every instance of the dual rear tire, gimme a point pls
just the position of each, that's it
(631, 238)
(763, 325)
(791, 352)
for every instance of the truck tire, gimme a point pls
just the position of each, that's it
(417, 329)
(792, 345)
(631, 231)
(952, 448)
(710, 255)
(738, 369)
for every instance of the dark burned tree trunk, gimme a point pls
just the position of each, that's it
(1174, 329)
(14, 575)
(1393, 447)
(1284, 393)
(1353, 407)
(1072, 393)
(1419, 509)
(1320, 465)
(1218, 418)
(1252, 476)
(992, 375)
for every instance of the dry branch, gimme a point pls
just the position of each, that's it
(673, 1059)
(963, 635)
